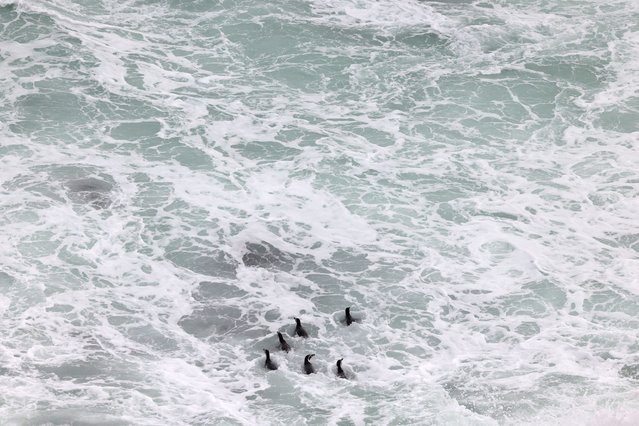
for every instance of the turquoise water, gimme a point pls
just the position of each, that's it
(179, 179)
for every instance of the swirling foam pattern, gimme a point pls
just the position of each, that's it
(179, 179)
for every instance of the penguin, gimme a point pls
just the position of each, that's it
(269, 364)
(299, 329)
(283, 345)
(340, 372)
(308, 367)
(349, 318)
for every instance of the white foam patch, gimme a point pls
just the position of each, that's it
(385, 14)
(625, 66)
(487, 243)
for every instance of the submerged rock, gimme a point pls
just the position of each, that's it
(91, 191)
(264, 255)
(630, 371)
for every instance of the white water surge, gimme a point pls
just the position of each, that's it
(179, 179)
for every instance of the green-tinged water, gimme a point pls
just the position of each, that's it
(180, 179)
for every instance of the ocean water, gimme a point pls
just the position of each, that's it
(179, 179)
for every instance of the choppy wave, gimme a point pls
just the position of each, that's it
(179, 180)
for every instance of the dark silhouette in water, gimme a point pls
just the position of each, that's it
(299, 329)
(269, 364)
(308, 367)
(91, 191)
(283, 345)
(349, 318)
(340, 372)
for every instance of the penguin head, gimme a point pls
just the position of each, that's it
(297, 320)
(308, 357)
(339, 362)
(348, 310)
(266, 352)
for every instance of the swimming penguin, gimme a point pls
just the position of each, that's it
(308, 367)
(299, 329)
(269, 364)
(283, 345)
(349, 318)
(340, 372)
